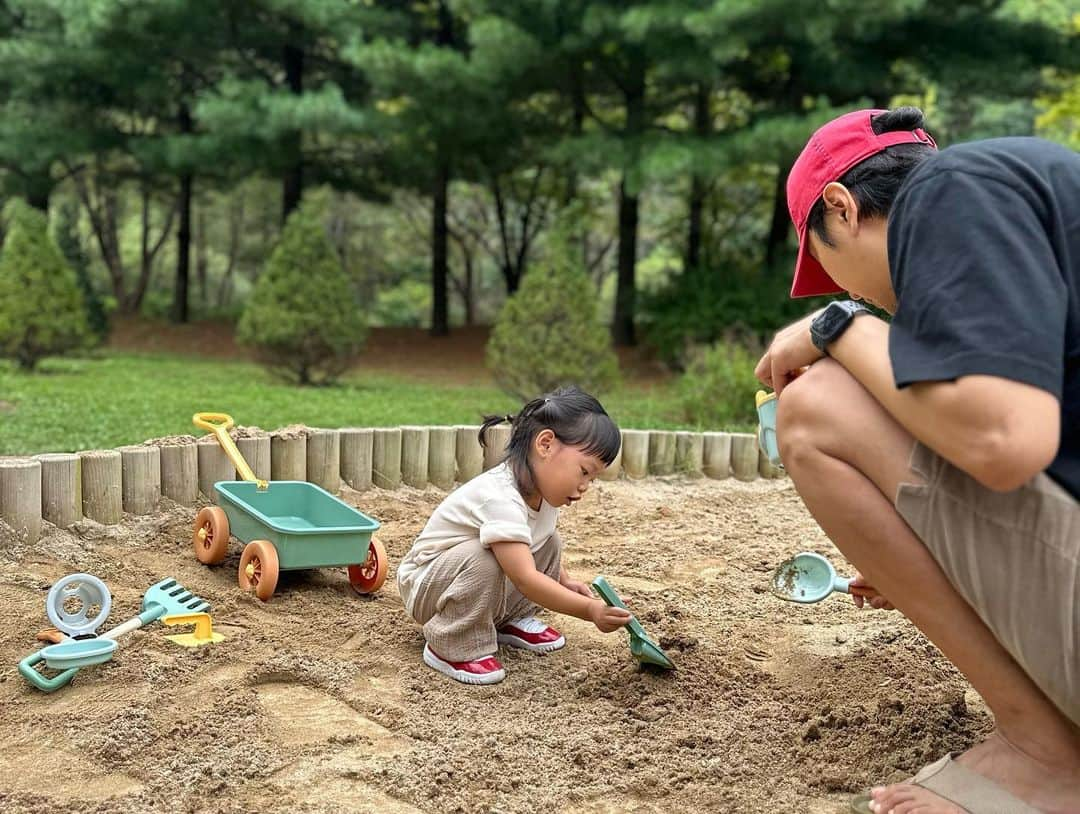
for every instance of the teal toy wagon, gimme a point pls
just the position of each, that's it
(286, 525)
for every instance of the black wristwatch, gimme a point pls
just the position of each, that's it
(833, 321)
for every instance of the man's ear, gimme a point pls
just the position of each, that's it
(840, 202)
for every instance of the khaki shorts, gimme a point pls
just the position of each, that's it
(1015, 558)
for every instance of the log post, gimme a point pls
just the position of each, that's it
(288, 456)
(386, 458)
(496, 439)
(140, 467)
(690, 453)
(613, 469)
(214, 465)
(102, 485)
(356, 447)
(442, 456)
(414, 456)
(661, 452)
(744, 456)
(635, 453)
(717, 455)
(324, 460)
(61, 488)
(180, 473)
(20, 496)
(469, 453)
(256, 451)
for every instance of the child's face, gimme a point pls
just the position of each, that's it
(562, 472)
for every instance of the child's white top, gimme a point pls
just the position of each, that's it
(489, 508)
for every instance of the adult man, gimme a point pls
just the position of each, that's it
(941, 451)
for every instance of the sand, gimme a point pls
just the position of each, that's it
(318, 701)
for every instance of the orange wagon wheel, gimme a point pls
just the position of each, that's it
(211, 537)
(259, 569)
(369, 576)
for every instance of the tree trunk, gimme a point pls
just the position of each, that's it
(440, 323)
(39, 188)
(183, 234)
(625, 294)
(236, 222)
(202, 260)
(698, 188)
(577, 108)
(148, 254)
(183, 247)
(293, 181)
(623, 326)
(781, 219)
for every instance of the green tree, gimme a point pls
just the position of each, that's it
(41, 309)
(548, 334)
(303, 316)
(70, 244)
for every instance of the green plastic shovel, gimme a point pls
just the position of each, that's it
(642, 647)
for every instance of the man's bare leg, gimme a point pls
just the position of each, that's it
(847, 457)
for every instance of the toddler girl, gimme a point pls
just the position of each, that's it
(490, 553)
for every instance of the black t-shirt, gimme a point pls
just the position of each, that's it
(984, 253)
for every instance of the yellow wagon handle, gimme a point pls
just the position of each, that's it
(219, 424)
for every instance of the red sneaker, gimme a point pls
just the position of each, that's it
(487, 670)
(531, 634)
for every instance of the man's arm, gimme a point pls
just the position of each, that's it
(999, 431)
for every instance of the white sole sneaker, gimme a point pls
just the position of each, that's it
(465, 677)
(510, 640)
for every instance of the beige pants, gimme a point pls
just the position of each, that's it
(465, 596)
(1014, 557)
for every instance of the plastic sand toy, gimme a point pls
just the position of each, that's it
(642, 647)
(809, 578)
(285, 524)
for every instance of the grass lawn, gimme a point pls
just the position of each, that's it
(120, 397)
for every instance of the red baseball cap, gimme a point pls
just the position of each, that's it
(834, 149)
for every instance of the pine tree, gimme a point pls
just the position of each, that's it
(41, 310)
(548, 334)
(303, 316)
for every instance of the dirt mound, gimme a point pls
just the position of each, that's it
(319, 702)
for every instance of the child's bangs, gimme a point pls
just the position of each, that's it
(596, 434)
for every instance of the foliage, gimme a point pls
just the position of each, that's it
(41, 310)
(701, 305)
(70, 244)
(718, 388)
(303, 317)
(549, 334)
(406, 304)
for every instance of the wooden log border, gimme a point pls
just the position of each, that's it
(104, 484)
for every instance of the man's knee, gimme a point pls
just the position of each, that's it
(807, 411)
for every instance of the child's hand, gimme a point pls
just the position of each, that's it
(877, 601)
(608, 619)
(576, 587)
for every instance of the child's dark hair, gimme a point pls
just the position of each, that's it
(873, 183)
(576, 418)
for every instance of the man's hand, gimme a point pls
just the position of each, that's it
(790, 351)
(877, 601)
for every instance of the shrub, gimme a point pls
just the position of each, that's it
(549, 334)
(41, 309)
(717, 390)
(303, 317)
(700, 306)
